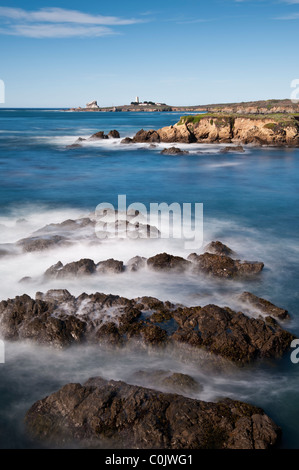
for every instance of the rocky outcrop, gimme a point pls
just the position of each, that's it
(219, 248)
(224, 266)
(112, 414)
(60, 319)
(113, 134)
(74, 269)
(264, 306)
(274, 130)
(111, 266)
(166, 262)
(42, 243)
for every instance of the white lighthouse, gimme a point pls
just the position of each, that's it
(137, 99)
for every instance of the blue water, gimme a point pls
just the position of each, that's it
(250, 199)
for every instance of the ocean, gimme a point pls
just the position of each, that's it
(250, 202)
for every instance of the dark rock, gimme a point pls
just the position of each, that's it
(114, 134)
(80, 139)
(98, 135)
(110, 266)
(166, 262)
(114, 414)
(264, 306)
(219, 248)
(229, 334)
(146, 136)
(229, 149)
(41, 243)
(60, 319)
(173, 151)
(74, 269)
(136, 263)
(224, 266)
(53, 270)
(127, 140)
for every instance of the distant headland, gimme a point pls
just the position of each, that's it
(250, 107)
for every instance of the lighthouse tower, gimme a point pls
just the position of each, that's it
(137, 99)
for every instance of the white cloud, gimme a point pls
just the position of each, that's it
(58, 22)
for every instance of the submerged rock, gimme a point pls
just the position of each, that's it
(229, 149)
(264, 306)
(107, 414)
(174, 382)
(173, 151)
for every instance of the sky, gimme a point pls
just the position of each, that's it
(181, 53)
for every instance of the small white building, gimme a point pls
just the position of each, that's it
(137, 99)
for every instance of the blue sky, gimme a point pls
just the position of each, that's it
(183, 53)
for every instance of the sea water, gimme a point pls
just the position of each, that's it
(250, 202)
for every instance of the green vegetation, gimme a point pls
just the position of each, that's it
(281, 119)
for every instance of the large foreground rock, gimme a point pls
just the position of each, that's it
(108, 414)
(60, 319)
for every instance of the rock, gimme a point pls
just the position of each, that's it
(80, 139)
(25, 279)
(98, 135)
(114, 134)
(224, 266)
(146, 136)
(73, 146)
(219, 248)
(264, 306)
(167, 381)
(127, 140)
(229, 334)
(136, 263)
(53, 270)
(173, 151)
(181, 383)
(110, 266)
(60, 319)
(237, 148)
(41, 243)
(110, 414)
(74, 269)
(222, 127)
(166, 262)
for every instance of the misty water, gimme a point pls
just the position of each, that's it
(250, 203)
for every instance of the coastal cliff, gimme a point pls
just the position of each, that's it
(272, 130)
